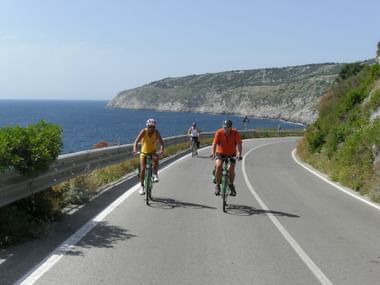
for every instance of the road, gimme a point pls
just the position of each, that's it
(286, 226)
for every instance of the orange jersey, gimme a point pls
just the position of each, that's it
(226, 145)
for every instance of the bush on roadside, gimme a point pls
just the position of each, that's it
(341, 140)
(29, 150)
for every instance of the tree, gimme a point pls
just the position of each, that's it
(378, 52)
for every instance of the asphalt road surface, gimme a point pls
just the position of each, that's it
(285, 226)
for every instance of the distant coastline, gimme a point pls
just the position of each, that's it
(86, 123)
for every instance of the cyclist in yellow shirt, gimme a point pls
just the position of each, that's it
(149, 136)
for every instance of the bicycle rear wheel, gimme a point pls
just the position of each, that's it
(193, 148)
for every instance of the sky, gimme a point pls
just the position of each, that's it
(93, 49)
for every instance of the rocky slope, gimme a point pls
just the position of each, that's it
(289, 93)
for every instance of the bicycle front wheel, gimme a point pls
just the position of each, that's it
(224, 196)
(148, 186)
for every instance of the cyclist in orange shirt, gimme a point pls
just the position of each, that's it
(226, 144)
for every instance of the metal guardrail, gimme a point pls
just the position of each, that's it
(14, 186)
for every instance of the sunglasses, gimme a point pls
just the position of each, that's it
(151, 127)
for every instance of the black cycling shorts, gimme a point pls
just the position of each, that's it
(230, 158)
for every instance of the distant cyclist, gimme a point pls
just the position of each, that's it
(194, 133)
(149, 136)
(227, 143)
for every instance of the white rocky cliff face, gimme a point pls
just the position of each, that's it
(290, 93)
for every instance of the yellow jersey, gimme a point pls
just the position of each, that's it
(149, 142)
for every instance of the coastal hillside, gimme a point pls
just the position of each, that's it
(289, 93)
(344, 142)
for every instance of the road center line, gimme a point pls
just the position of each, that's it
(297, 248)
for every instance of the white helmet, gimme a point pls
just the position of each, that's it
(150, 122)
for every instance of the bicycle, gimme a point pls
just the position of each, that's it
(194, 147)
(148, 177)
(225, 183)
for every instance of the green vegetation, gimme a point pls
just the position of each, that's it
(30, 150)
(344, 139)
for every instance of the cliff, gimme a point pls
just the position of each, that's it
(289, 93)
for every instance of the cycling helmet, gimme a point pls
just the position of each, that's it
(227, 123)
(151, 122)
(194, 124)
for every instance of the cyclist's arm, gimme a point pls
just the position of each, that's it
(161, 141)
(239, 146)
(239, 150)
(138, 139)
(214, 143)
(213, 150)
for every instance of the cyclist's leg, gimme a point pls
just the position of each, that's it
(142, 168)
(198, 142)
(231, 177)
(231, 171)
(218, 175)
(218, 168)
(155, 163)
(142, 173)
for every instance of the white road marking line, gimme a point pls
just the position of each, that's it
(352, 194)
(48, 262)
(297, 248)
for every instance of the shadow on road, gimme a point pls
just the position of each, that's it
(169, 203)
(102, 236)
(202, 156)
(243, 210)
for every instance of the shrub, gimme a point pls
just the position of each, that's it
(349, 70)
(314, 138)
(342, 138)
(101, 144)
(29, 150)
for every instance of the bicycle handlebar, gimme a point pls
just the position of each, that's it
(147, 153)
(212, 156)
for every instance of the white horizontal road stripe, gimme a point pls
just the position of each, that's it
(297, 248)
(352, 194)
(49, 261)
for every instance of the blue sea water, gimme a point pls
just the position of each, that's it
(85, 123)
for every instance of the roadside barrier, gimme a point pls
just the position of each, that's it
(14, 186)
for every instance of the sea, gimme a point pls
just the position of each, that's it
(86, 123)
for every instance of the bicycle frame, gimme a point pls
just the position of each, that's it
(224, 187)
(148, 177)
(194, 147)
